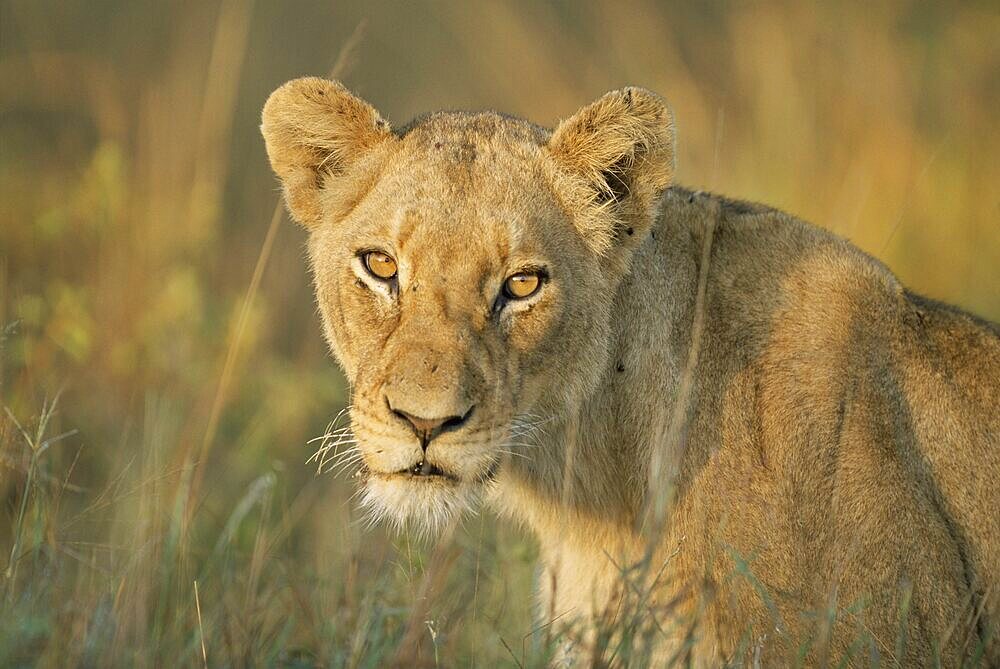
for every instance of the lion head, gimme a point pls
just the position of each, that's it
(464, 267)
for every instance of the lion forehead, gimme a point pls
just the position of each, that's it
(483, 127)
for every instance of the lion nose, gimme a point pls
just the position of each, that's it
(427, 429)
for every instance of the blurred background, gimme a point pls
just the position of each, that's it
(162, 370)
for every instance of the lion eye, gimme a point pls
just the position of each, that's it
(380, 265)
(520, 286)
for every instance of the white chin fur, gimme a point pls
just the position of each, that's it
(424, 506)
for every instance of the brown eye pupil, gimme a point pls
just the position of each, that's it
(380, 265)
(521, 286)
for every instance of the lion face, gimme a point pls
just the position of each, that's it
(464, 271)
(454, 294)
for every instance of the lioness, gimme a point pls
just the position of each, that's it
(734, 420)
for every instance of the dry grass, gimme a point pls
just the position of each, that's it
(161, 367)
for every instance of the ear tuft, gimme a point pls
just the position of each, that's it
(315, 129)
(622, 145)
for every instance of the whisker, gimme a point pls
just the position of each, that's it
(521, 444)
(351, 451)
(344, 455)
(325, 448)
(340, 469)
(321, 457)
(330, 435)
(518, 455)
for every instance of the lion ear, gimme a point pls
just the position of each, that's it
(622, 145)
(315, 130)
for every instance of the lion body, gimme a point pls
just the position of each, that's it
(734, 423)
(837, 476)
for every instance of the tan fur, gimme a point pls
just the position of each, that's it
(828, 444)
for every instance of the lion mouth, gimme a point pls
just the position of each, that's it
(424, 471)
(427, 471)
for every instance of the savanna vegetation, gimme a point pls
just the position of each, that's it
(163, 379)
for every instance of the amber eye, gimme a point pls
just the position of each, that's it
(520, 286)
(380, 265)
